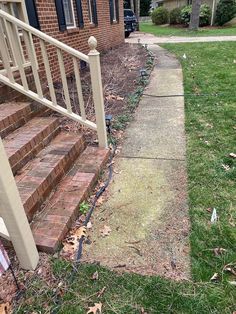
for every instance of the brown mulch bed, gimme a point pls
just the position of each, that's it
(120, 76)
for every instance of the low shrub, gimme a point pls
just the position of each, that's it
(160, 16)
(185, 14)
(175, 16)
(225, 11)
(204, 17)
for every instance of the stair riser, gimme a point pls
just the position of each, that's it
(18, 119)
(44, 186)
(29, 151)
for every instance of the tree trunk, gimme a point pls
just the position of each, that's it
(137, 11)
(194, 20)
(132, 5)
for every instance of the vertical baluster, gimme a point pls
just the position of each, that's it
(8, 39)
(23, 16)
(15, 45)
(79, 89)
(11, 8)
(33, 61)
(64, 80)
(48, 72)
(4, 54)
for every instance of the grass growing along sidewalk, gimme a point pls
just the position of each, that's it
(161, 31)
(210, 126)
(210, 68)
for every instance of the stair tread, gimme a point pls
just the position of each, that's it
(24, 134)
(62, 208)
(9, 108)
(39, 176)
(25, 142)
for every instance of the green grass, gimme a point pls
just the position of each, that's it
(210, 127)
(210, 121)
(148, 27)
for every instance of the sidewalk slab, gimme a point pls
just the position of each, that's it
(147, 207)
(146, 38)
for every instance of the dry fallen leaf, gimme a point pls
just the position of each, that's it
(95, 276)
(219, 251)
(119, 98)
(232, 155)
(89, 225)
(106, 231)
(80, 232)
(215, 277)
(97, 308)
(231, 269)
(226, 167)
(5, 308)
(100, 293)
(233, 283)
(143, 311)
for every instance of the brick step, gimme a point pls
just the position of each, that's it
(15, 114)
(24, 143)
(62, 208)
(42, 174)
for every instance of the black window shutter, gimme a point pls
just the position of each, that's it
(111, 5)
(60, 15)
(80, 13)
(94, 9)
(32, 13)
(117, 10)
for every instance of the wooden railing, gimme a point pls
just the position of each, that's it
(18, 52)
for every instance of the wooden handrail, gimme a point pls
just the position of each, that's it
(44, 36)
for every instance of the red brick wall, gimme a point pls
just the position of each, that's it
(108, 35)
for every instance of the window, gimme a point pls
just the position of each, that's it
(92, 9)
(69, 13)
(114, 10)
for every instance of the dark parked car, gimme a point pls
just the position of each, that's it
(130, 22)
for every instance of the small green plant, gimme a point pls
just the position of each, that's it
(160, 16)
(175, 16)
(121, 121)
(84, 207)
(226, 10)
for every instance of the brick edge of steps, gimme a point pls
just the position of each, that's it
(38, 182)
(18, 117)
(62, 208)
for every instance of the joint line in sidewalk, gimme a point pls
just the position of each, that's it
(151, 158)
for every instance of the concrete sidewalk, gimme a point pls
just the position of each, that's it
(145, 38)
(147, 207)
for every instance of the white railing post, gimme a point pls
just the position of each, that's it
(14, 217)
(96, 80)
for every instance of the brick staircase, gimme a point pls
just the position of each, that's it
(54, 170)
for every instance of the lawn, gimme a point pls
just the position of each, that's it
(148, 27)
(210, 127)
